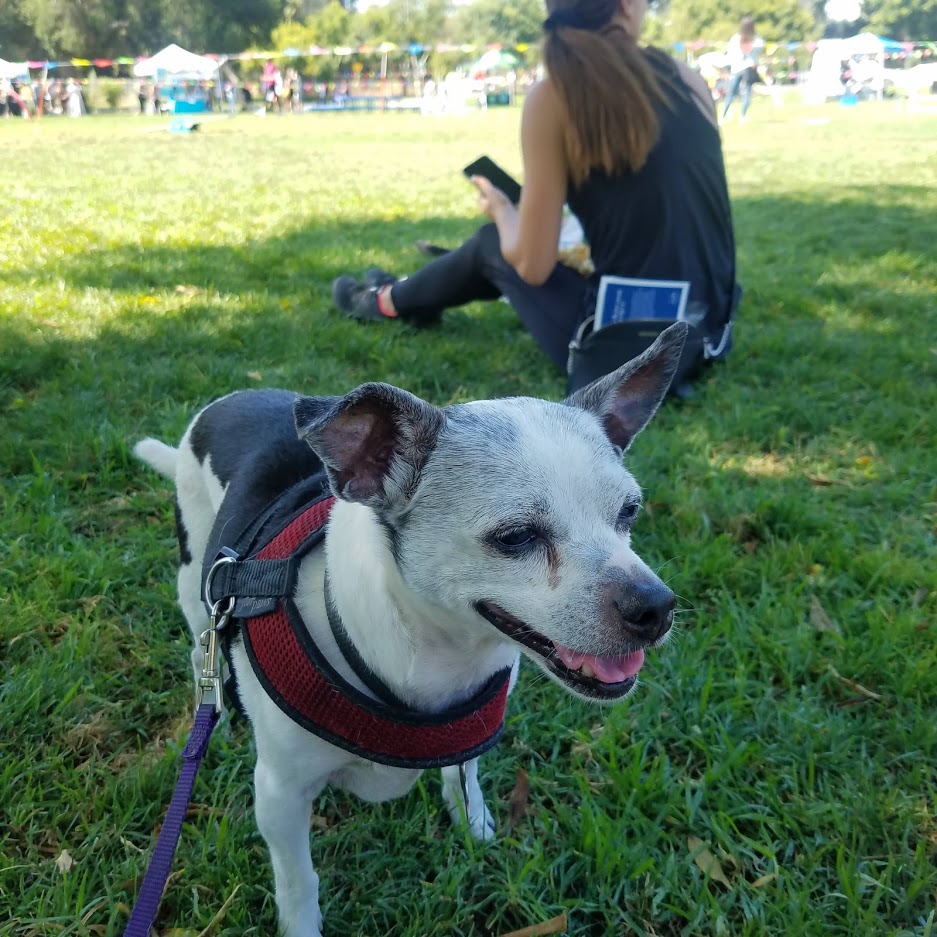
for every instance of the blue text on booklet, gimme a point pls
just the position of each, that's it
(621, 299)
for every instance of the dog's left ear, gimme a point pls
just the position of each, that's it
(373, 442)
(626, 399)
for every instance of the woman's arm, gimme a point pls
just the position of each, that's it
(530, 233)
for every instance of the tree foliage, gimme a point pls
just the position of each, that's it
(716, 21)
(130, 27)
(902, 19)
(107, 28)
(488, 21)
(17, 38)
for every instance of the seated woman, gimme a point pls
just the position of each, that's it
(628, 137)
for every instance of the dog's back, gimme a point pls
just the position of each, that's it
(237, 455)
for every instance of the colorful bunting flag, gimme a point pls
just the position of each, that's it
(922, 48)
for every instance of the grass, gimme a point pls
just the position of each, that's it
(776, 773)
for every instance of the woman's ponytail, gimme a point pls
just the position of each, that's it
(605, 84)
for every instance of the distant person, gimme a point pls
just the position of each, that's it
(16, 102)
(154, 98)
(628, 138)
(268, 78)
(742, 53)
(74, 103)
(279, 91)
(231, 96)
(291, 88)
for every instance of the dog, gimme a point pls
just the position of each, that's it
(459, 539)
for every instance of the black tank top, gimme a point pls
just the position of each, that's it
(670, 220)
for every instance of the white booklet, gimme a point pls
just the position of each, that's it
(623, 298)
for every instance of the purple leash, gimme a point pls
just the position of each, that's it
(151, 891)
(206, 716)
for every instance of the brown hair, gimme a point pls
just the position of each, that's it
(747, 27)
(606, 87)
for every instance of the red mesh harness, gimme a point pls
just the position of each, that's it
(313, 694)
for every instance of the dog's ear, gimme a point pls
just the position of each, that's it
(626, 399)
(373, 442)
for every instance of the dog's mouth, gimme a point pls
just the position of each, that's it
(600, 678)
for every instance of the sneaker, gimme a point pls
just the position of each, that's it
(356, 300)
(433, 250)
(375, 278)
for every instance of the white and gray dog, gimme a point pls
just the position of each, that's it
(459, 538)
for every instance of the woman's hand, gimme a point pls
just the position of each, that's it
(491, 200)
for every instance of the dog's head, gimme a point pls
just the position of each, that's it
(515, 514)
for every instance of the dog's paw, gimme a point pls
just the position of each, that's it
(480, 822)
(482, 826)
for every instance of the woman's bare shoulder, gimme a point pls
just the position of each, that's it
(692, 78)
(701, 91)
(543, 97)
(543, 110)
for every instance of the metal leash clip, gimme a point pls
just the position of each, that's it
(209, 683)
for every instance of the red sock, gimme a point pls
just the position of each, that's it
(382, 305)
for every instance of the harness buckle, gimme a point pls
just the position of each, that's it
(209, 683)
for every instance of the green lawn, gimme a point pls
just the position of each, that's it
(777, 771)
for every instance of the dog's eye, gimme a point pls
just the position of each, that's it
(516, 537)
(628, 513)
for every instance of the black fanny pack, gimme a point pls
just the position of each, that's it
(593, 354)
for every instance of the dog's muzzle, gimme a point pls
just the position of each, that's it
(594, 677)
(645, 609)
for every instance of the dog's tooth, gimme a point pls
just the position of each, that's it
(586, 670)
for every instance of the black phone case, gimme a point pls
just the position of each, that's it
(487, 167)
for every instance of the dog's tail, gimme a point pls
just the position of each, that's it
(157, 455)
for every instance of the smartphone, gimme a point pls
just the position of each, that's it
(487, 167)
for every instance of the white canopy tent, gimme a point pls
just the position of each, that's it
(867, 51)
(13, 70)
(176, 62)
(870, 44)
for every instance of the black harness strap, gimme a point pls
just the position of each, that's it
(354, 660)
(254, 584)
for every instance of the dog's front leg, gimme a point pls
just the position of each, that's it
(283, 810)
(464, 799)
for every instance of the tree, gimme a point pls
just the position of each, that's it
(108, 28)
(487, 21)
(298, 11)
(902, 19)
(714, 20)
(219, 25)
(17, 40)
(92, 27)
(420, 21)
(331, 26)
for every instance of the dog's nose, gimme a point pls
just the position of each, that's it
(646, 610)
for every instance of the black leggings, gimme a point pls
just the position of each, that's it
(478, 271)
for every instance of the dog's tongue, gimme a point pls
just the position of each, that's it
(606, 669)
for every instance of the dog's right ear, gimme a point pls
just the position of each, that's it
(373, 442)
(625, 400)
